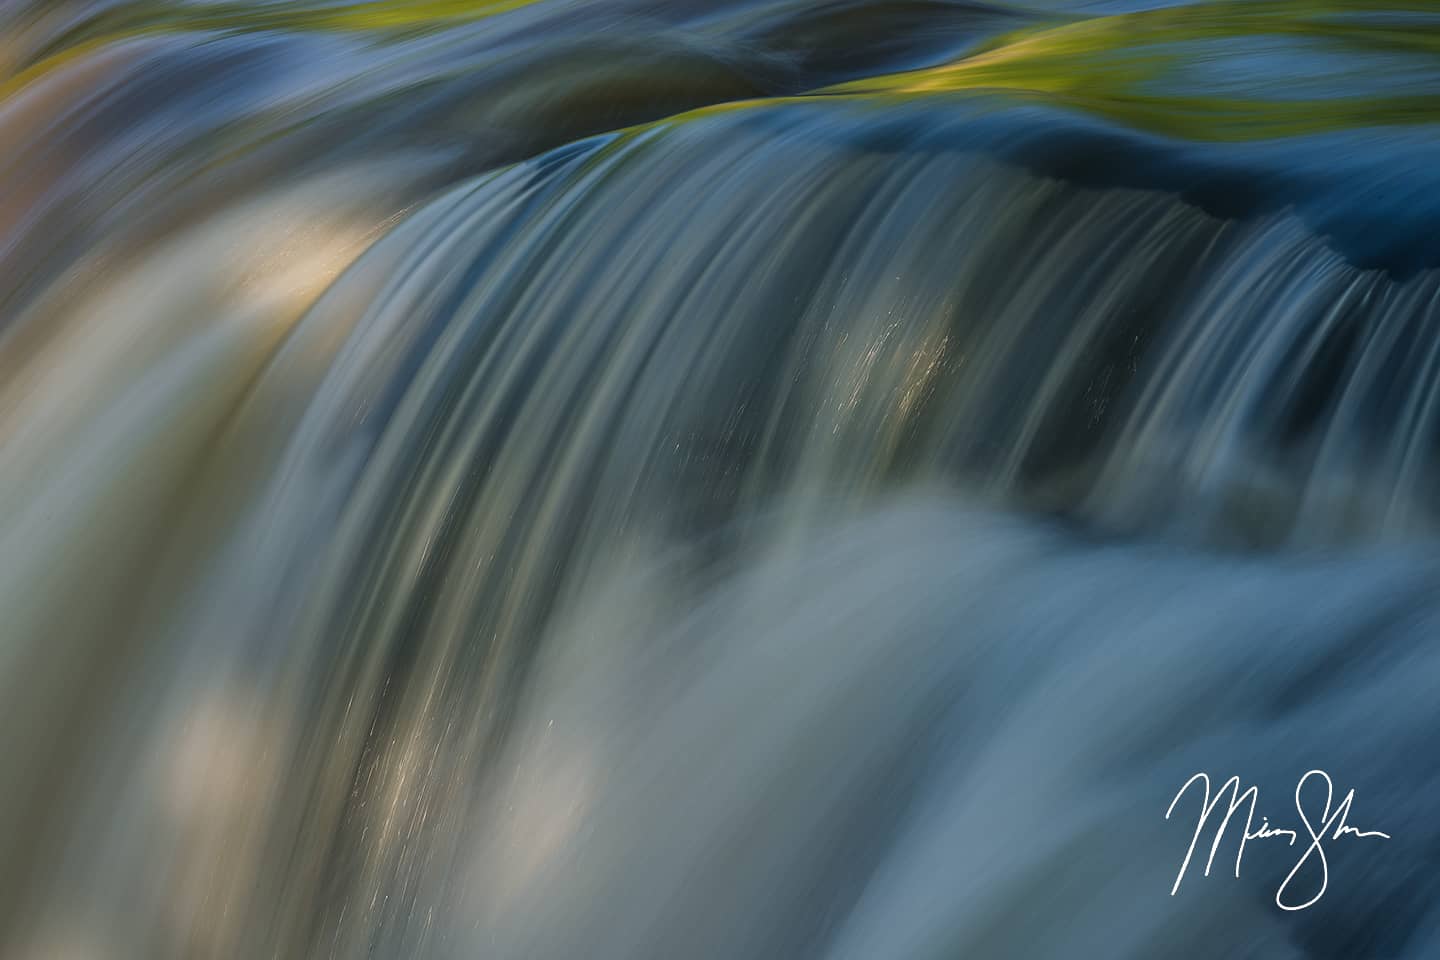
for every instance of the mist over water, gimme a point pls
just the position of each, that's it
(697, 479)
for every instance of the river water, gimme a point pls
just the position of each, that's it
(639, 479)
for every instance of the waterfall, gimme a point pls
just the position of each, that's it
(616, 480)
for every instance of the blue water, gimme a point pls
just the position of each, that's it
(709, 479)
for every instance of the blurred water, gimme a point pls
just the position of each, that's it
(768, 479)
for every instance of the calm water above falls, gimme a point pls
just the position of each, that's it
(645, 479)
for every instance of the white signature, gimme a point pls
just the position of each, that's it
(1331, 825)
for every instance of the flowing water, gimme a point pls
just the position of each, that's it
(688, 478)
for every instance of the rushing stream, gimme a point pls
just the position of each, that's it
(698, 479)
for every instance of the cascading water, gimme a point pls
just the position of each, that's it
(704, 479)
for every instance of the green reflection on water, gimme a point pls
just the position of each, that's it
(1183, 71)
(160, 16)
(1139, 68)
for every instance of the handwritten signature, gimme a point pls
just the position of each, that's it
(1331, 825)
